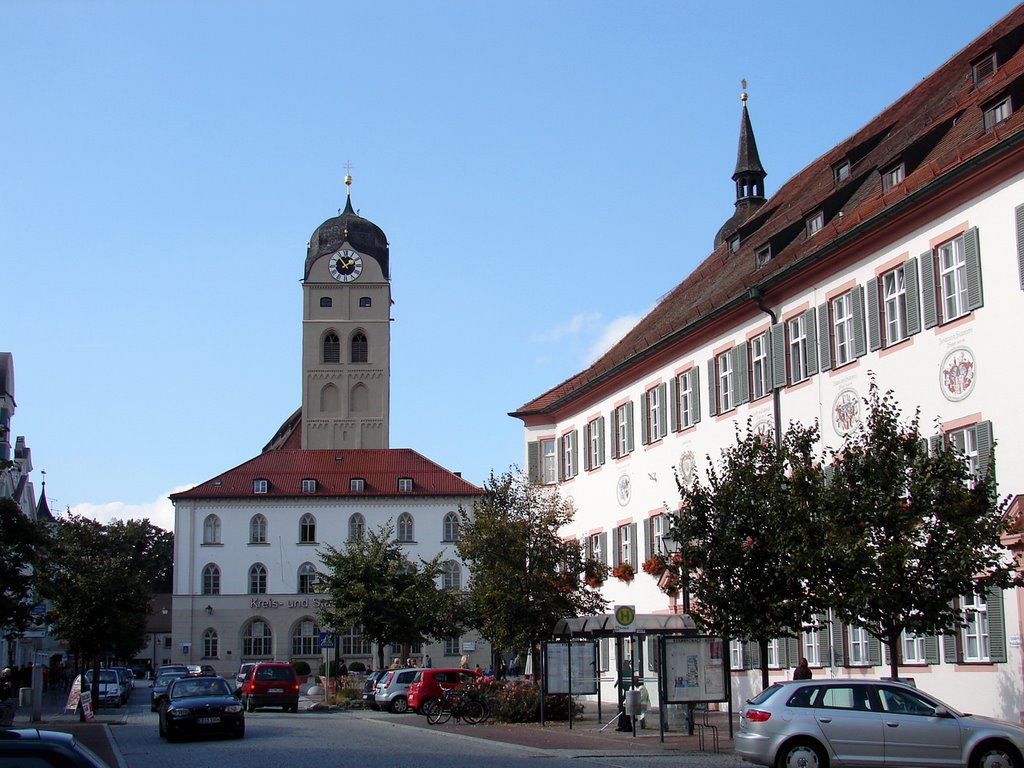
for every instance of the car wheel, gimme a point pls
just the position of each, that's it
(294, 707)
(240, 732)
(801, 754)
(399, 705)
(995, 754)
(250, 705)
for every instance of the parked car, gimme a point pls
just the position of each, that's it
(370, 687)
(159, 688)
(111, 692)
(183, 668)
(273, 684)
(123, 680)
(808, 723)
(200, 705)
(393, 689)
(242, 672)
(31, 746)
(427, 684)
(207, 669)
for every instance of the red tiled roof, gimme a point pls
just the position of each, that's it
(380, 468)
(937, 128)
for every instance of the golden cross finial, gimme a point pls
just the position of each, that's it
(743, 93)
(348, 178)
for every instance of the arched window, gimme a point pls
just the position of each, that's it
(211, 580)
(211, 530)
(306, 638)
(451, 575)
(307, 578)
(450, 527)
(360, 349)
(406, 530)
(356, 527)
(258, 530)
(325, 301)
(307, 529)
(258, 579)
(211, 644)
(257, 639)
(332, 348)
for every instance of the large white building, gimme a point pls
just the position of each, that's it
(247, 542)
(898, 253)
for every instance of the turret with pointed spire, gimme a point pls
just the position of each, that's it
(749, 176)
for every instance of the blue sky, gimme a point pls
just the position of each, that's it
(544, 171)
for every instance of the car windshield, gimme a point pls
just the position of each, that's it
(200, 686)
(106, 676)
(764, 695)
(166, 680)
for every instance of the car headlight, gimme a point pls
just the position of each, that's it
(233, 708)
(179, 711)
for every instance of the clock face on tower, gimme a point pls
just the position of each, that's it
(345, 265)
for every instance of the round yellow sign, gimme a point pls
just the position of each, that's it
(624, 615)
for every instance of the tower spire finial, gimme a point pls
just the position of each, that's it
(743, 93)
(348, 179)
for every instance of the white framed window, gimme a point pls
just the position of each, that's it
(997, 113)
(257, 639)
(625, 544)
(623, 429)
(258, 529)
(655, 413)
(309, 486)
(736, 654)
(842, 328)
(307, 529)
(406, 528)
(892, 176)
(686, 394)
(211, 579)
(305, 639)
(953, 279)
(815, 222)
(569, 456)
(452, 646)
(211, 644)
(451, 575)
(760, 370)
(260, 486)
(307, 579)
(659, 529)
(356, 485)
(894, 305)
(966, 441)
(810, 644)
(211, 530)
(354, 643)
(450, 527)
(725, 389)
(913, 648)
(974, 633)
(595, 442)
(796, 332)
(857, 646)
(258, 579)
(356, 527)
(596, 550)
(762, 255)
(773, 654)
(405, 485)
(548, 461)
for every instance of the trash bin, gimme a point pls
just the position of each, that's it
(25, 697)
(632, 703)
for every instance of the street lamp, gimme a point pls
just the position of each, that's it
(209, 610)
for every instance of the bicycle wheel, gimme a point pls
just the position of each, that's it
(473, 711)
(436, 712)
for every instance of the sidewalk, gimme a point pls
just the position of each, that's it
(95, 735)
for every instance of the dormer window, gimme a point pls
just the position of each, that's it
(405, 485)
(260, 486)
(815, 222)
(762, 256)
(997, 111)
(983, 69)
(841, 171)
(734, 244)
(357, 485)
(892, 176)
(309, 486)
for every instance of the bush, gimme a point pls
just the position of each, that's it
(518, 701)
(357, 666)
(301, 667)
(348, 694)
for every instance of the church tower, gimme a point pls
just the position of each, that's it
(346, 334)
(749, 176)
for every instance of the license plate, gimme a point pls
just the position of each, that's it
(207, 720)
(275, 690)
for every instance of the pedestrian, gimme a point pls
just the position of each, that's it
(6, 684)
(342, 668)
(427, 663)
(802, 671)
(477, 669)
(502, 669)
(396, 663)
(410, 662)
(464, 662)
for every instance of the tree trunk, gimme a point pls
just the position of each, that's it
(762, 647)
(894, 660)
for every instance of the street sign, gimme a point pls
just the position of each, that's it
(625, 615)
(326, 640)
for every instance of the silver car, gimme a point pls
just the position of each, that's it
(817, 723)
(392, 691)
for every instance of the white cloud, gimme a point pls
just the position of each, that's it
(572, 327)
(612, 333)
(160, 512)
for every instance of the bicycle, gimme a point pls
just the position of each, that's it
(458, 704)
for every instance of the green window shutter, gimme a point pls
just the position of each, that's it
(663, 399)
(615, 547)
(629, 427)
(740, 374)
(560, 458)
(931, 649)
(824, 338)
(586, 446)
(792, 652)
(911, 287)
(648, 537)
(600, 440)
(931, 310)
(695, 388)
(874, 316)
(615, 433)
(949, 653)
(1019, 213)
(996, 626)
(983, 438)
(778, 338)
(673, 403)
(811, 329)
(860, 342)
(824, 641)
(874, 651)
(575, 452)
(934, 444)
(712, 388)
(645, 410)
(972, 262)
(837, 645)
(634, 551)
(533, 461)
(604, 547)
(751, 655)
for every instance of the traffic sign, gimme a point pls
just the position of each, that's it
(625, 615)
(326, 640)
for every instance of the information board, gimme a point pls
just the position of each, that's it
(694, 669)
(581, 656)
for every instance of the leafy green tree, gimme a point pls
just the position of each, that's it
(20, 558)
(371, 583)
(524, 575)
(909, 531)
(747, 536)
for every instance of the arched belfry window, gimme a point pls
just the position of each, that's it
(360, 348)
(332, 348)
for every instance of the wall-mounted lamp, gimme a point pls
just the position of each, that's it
(209, 610)
(163, 611)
